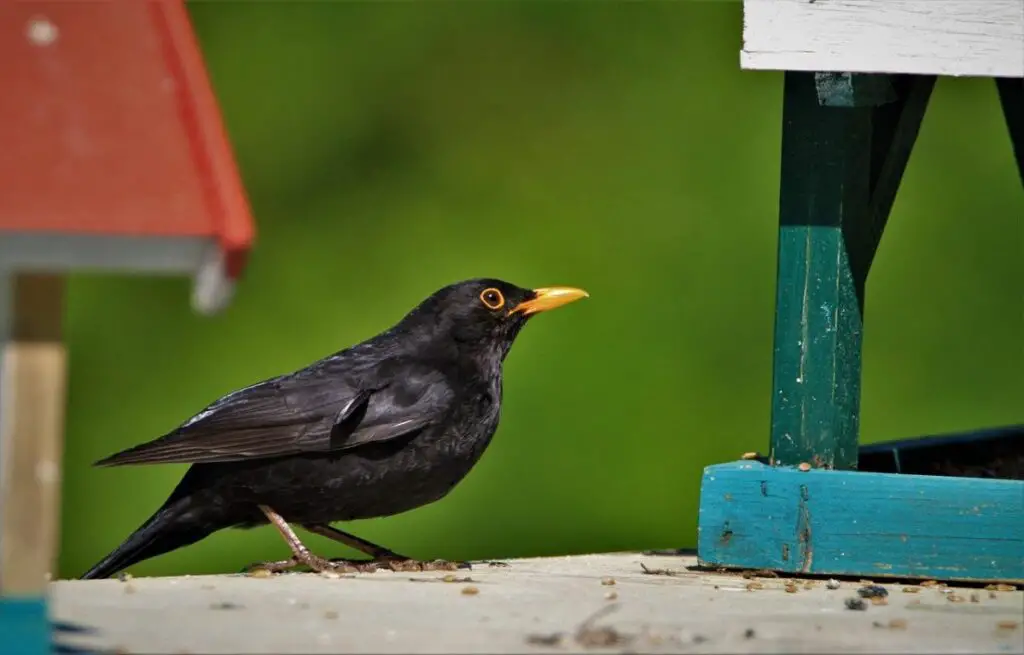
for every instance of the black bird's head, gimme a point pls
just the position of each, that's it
(483, 314)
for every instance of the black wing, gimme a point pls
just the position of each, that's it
(318, 409)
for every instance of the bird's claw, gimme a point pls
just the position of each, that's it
(278, 566)
(319, 564)
(401, 564)
(415, 565)
(314, 563)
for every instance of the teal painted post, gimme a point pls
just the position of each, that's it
(24, 627)
(1011, 96)
(846, 140)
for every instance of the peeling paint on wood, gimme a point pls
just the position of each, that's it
(924, 37)
(841, 167)
(862, 524)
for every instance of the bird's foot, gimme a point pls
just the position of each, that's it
(416, 565)
(314, 563)
(278, 566)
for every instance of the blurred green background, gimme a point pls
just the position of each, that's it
(391, 148)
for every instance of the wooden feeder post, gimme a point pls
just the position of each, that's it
(114, 160)
(858, 77)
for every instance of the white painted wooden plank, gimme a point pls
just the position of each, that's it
(940, 37)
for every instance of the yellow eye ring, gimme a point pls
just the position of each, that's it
(492, 298)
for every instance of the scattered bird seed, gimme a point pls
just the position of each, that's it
(553, 639)
(790, 587)
(1007, 625)
(911, 590)
(1001, 587)
(260, 573)
(751, 586)
(955, 598)
(667, 572)
(893, 624)
(607, 581)
(873, 591)
(879, 600)
(930, 583)
(470, 591)
(590, 636)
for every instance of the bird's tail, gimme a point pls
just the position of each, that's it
(168, 529)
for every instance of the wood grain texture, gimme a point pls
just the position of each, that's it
(32, 434)
(841, 167)
(861, 524)
(925, 37)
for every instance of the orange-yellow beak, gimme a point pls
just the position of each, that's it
(549, 298)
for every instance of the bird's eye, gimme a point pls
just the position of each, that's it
(492, 298)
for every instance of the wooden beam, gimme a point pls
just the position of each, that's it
(31, 434)
(983, 38)
(861, 524)
(841, 166)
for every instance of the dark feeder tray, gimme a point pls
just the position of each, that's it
(996, 453)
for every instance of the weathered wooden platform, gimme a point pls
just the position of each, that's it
(603, 602)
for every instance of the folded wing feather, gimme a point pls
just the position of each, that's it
(314, 410)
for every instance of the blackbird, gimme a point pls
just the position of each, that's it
(379, 428)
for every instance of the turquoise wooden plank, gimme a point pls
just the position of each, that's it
(24, 626)
(861, 524)
(841, 166)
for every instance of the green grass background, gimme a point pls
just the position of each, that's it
(390, 148)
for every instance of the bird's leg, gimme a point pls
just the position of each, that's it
(352, 541)
(300, 554)
(382, 557)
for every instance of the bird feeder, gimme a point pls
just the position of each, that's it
(858, 77)
(114, 159)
